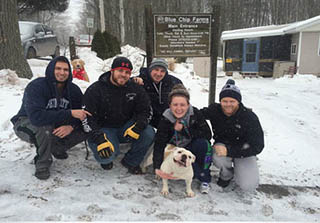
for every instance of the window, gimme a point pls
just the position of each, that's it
(48, 30)
(293, 49)
(251, 52)
(38, 29)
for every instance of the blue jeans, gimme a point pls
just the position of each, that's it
(138, 148)
(199, 147)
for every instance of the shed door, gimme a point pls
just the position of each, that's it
(251, 49)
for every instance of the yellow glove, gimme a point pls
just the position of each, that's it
(105, 147)
(132, 132)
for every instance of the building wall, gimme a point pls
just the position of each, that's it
(309, 58)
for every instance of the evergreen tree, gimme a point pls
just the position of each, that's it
(112, 45)
(99, 45)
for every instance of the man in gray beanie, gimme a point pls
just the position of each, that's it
(158, 84)
(238, 138)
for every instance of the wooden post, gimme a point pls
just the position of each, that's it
(149, 32)
(214, 53)
(72, 48)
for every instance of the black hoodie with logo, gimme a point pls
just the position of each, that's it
(112, 106)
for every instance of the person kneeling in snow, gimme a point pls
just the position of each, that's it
(238, 138)
(158, 83)
(50, 115)
(120, 110)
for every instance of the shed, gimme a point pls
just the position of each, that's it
(259, 50)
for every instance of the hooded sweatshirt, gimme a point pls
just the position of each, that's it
(112, 106)
(194, 127)
(42, 103)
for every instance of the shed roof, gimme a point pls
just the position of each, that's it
(312, 24)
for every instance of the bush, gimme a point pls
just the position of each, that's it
(99, 45)
(112, 44)
(105, 45)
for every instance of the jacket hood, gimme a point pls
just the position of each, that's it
(105, 77)
(50, 69)
(169, 115)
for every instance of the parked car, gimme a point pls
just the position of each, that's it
(38, 40)
(84, 39)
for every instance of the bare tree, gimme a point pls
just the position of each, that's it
(235, 14)
(11, 56)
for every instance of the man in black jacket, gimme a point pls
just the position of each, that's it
(158, 84)
(50, 115)
(121, 110)
(238, 139)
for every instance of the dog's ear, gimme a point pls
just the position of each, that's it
(169, 149)
(193, 158)
(73, 63)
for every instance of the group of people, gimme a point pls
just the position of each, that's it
(150, 109)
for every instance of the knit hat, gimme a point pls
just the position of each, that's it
(178, 90)
(121, 63)
(230, 90)
(158, 62)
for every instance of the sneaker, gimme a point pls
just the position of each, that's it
(204, 188)
(60, 155)
(42, 173)
(107, 166)
(132, 169)
(223, 183)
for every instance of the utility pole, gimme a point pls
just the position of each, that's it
(122, 30)
(101, 6)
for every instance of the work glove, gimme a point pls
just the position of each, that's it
(132, 132)
(104, 146)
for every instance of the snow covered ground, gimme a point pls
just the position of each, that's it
(80, 190)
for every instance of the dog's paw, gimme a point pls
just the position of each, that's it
(190, 193)
(165, 192)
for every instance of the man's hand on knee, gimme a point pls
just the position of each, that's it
(62, 131)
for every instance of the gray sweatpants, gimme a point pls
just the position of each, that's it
(244, 170)
(45, 141)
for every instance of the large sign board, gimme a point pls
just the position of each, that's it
(185, 35)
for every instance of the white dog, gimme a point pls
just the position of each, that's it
(178, 162)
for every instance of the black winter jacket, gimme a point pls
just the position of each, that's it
(198, 128)
(159, 98)
(43, 105)
(112, 106)
(241, 133)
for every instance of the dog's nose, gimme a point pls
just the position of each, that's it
(183, 157)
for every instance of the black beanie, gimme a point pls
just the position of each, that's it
(230, 90)
(121, 63)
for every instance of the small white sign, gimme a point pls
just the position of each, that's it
(90, 22)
